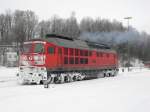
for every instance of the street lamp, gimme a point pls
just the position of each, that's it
(128, 19)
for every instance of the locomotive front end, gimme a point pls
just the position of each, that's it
(32, 63)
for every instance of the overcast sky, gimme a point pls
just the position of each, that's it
(110, 9)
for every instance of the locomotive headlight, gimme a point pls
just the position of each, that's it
(36, 58)
(39, 59)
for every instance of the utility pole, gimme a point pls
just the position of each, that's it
(128, 19)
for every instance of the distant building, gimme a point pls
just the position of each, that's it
(8, 55)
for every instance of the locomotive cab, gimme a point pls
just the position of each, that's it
(32, 62)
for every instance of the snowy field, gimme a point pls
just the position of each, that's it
(127, 92)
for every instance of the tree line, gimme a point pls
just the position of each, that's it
(24, 25)
(19, 26)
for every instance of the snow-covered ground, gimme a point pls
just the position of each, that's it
(8, 77)
(127, 92)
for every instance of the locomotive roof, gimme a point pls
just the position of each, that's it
(74, 43)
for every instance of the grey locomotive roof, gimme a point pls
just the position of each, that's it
(75, 43)
(69, 43)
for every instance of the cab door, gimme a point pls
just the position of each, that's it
(51, 57)
(59, 58)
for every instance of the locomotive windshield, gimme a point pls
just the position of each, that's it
(33, 48)
(38, 48)
(27, 48)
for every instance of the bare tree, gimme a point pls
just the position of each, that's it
(2, 27)
(86, 24)
(6, 27)
(24, 25)
(43, 28)
(31, 22)
(72, 26)
(19, 27)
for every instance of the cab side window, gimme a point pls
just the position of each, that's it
(51, 50)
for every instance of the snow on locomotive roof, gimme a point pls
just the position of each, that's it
(73, 43)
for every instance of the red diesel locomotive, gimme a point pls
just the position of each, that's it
(59, 59)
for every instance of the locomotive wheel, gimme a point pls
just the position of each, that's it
(104, 74)
(112, 74)
(79, 78)
(107, 74)
(55, 80)
(65, 79)
(74, 78)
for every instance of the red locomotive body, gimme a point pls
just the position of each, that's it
(62, 59)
